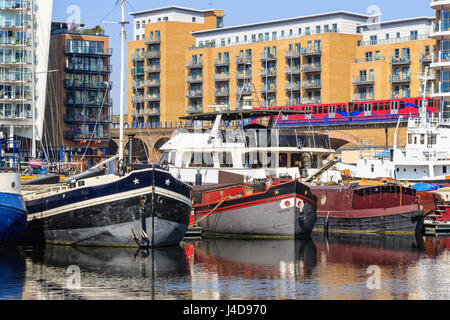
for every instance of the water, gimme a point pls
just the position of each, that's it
(337, 267)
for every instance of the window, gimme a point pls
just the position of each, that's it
(307, 30)
(137, 37)
(219, 22)
(282, 33)
(387, 36)
(325, 28)
(290, 32)
(274, 35)
(166, 18)
(299, 31)
(253, 37)
(317, 29)
(369, 56)
(335, 27)
(413, 35)
(138, 25)
(373, 39)
(159, 19)
(194, 19)
(266, 36)
(398, 35)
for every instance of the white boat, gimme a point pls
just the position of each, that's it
(426, 157)
(253, 151)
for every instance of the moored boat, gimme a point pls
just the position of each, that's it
(384, 209)
(271, 208)
(13, 213)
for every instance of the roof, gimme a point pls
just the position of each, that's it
(398, 21)
(229, 115)
(169, 8)
(312, 16)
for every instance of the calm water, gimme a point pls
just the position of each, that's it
(344, 267)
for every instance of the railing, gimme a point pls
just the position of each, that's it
(292, 70)
(137, 57)
(10, 157)
(292, 86)
(152, 83)
(89, 51)
(190, 79)
(400, 60)
(244, 90)
(392, 40)
(441, 25)
(194, 64)
(154, 68)
(361, 80)
(75, 135)
(244, 75)
(194, 94)
(82, 68)
(293, 102)
(363, 97)
(401, 95)
(88, 118)
(69, 83)
(309, 52)
(268, 57)
(370, 59)
(194, 109)
(401, 77)
(313, 84)
(155, 40)
(221, 62)
(291, 54)
(268, 73)
(243, 60)
(221, 92)
(152, 54)
(88, 102)
(268, 88)
(314, 67)
(222, 77)
(441, 56)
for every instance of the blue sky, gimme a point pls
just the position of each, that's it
(95, 12)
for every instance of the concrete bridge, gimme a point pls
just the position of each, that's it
(147, 141)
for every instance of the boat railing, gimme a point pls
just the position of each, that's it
(9, 156)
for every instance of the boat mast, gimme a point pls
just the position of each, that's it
(33, 86)
(122, 36)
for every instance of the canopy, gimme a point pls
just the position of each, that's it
(425, 187)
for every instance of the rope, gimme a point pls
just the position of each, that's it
(221, 201)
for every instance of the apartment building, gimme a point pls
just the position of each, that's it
(24, 47)
(78, 112)
(323, 58)
(440, 60)
(156, 60)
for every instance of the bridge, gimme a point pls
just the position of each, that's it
(148, 140)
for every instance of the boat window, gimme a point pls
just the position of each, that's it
(226, 160)
(283, 160)
(372, 168)
(415, 139)
(422, 139)
(444, 169)
(410, 138)
(164, 157)
(202, 159)
(172, 158)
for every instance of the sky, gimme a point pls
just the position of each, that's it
(237, 12)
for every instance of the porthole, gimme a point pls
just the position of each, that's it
(13, 185)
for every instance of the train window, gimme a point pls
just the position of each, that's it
(386, 106)
(320, 109)
(394, 105)
(315, 109)
(325, 109)
(375, 106)
(339, 108)
(402, 104)
(361, 107)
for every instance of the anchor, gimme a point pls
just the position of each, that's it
(143, 241)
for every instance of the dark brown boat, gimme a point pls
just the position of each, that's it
(385, 209)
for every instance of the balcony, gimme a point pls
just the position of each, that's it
(152, 54)
(90, 118)
(363, 80)
(268, 73)
(312, 100)
(152, 69)
(137, 85)
(243, 60)
(221, 77)
(13, 62)
(370, 59)
(221, 62)
(268, 89)
(314, 67)
(311, 52)
(71, 134)
(225, 92)
(292, 55)
(440, 59)
(194, 64)
(152, 112)
(270, 103)
(293, 102)
(292, 70)
(194, 109)
(400, 60)
(144, 98)
(266, 57)
(244, 90)
(440, 29)
(401, 95)
(401, 77)
(137, 71)
(363, 97)
(85, 102)
(15, 6)
(151, 83)
(79, 68)
(137, 57)
(149, 41)
(441, 90)
(426, 57)
(81, 85)
(193, 94)
(292, 87)
(244, 75)
(311, 84)
(89, 51)
(194, 79)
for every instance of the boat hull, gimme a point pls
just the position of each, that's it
(371, 209)
(282, 211)
(13, 218)
(113, 219)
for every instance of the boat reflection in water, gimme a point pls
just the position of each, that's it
(12, 273)
(104, 273)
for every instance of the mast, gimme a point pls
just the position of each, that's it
(33, 86)
(122, 36)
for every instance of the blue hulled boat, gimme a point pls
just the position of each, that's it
(13, 213)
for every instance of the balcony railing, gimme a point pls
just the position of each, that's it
(311, 52)
(268, 57)
(243, 60)
(137, 57)
(221, 62)
(244, 75)
(312, 84)
(152, 69)
(370, 59)
(292, 86)
(363, 97)
(137, 71)
(152, 83)
(155, 40)
(293, 102)
(87, 102)
(312, 100)
(221, 77)
(268, 73)
(392, 40)
(292, 55)
(401, 77)
(400, 60)
(152, 54)
(92, 118)
(77, 135)
(443, 87)
(441, 56)
(363, 80)
(292, 70)
(194, 109)
(194, 64)
(441, 26)
(401, 95)
(221, 92)
(268, 89)
(426, 57)
(314, 67)
(271, 103)
(244, 90)
(70, 83)
(194, 79)
(194, 94)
